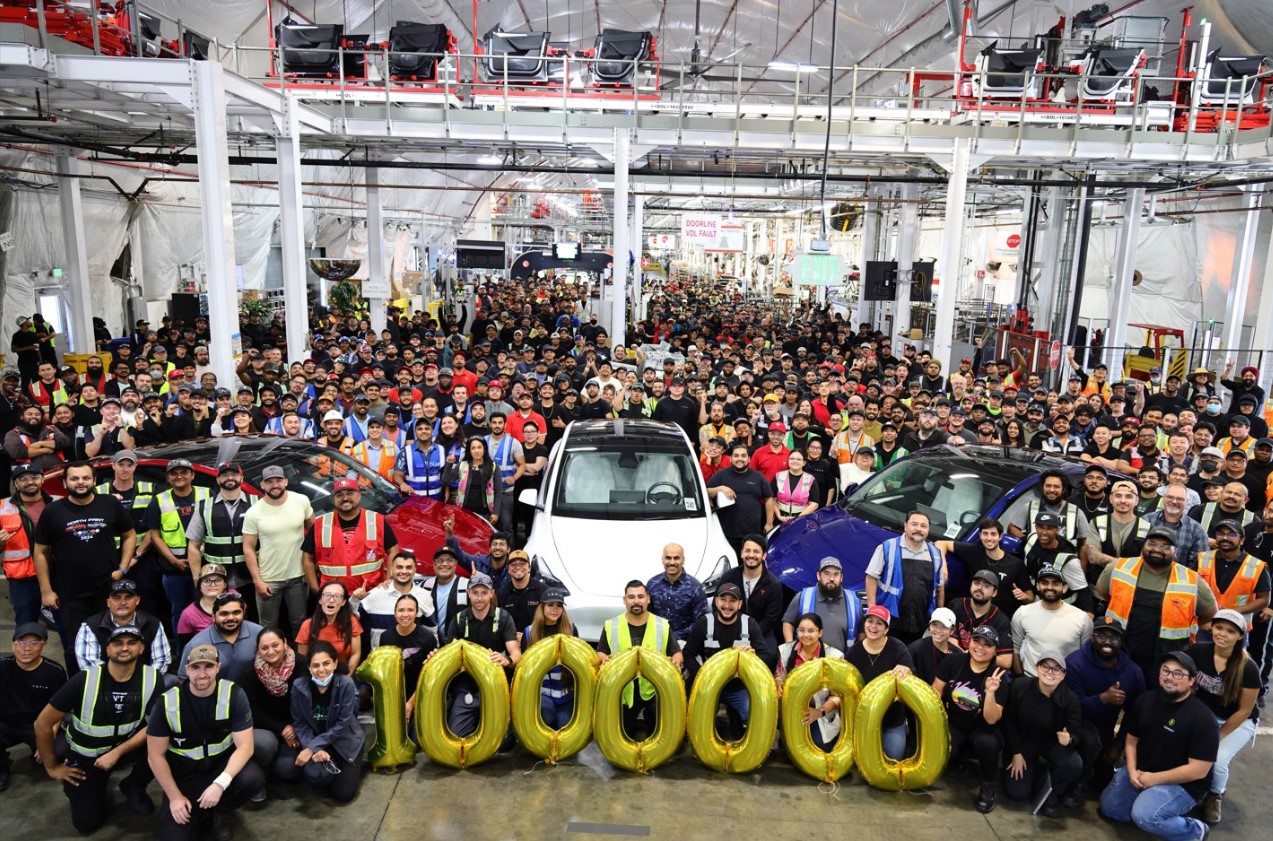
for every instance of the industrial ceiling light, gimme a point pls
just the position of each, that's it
(490, 160)
(785, 66)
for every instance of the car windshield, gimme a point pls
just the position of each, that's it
(627, 483)
(953, 501)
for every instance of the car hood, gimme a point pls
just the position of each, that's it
(598, 557)
(796, 549)
(417, 523)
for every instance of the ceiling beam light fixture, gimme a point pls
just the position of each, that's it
(785, 66)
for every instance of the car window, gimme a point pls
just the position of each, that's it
(953, 501)
(627, 484)
(312, 471)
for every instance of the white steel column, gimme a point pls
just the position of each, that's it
(75, 245)
(952, 254)
(619, 274)
(870, 234)
(377, 288)
(1262, 340)
(907, 233)
(218, 219)
(1240, 284)
(637, 238)
(1120, 288)
(291, 234)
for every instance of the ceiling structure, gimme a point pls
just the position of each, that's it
(715, 41)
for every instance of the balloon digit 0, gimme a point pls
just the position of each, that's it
(753, 749)
(443, 746)
(528, 721)
(926, 766)
(607, 715)
(843, 679)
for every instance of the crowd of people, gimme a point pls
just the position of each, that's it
(1122, 652)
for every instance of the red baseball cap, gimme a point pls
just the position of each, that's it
(345, 484)
(881, 613)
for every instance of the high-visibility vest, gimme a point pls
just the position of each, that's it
(711, 643)
(18, 561)
(792, 499)
(1103, 530)
(845, 447)
(1071, 519)
(218, 740)
(388, 457)
(27, 442)
(359, 560)
(140, 501)
(423, 471)
(223, 534)
(88, 738)
(46, 397)
(1180, 600)
(1210, 510)
(891, 580)
(1241, 590)
(170, 526)
(502, 454)
(620, 639)
(808, 604)
(1226, 444)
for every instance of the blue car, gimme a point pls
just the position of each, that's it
(955, 486)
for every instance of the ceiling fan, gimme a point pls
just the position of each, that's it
(697, 70)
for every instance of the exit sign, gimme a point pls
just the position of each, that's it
(819, 269)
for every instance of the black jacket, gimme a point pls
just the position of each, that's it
(767, 601)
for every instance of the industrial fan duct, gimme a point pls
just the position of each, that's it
(845, 216)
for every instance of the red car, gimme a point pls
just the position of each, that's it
(311, 469)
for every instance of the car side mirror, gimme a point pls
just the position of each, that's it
(529, 496)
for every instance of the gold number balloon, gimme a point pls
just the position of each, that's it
(753, 749)
(579, 658)
(841, 678)
(383, 671)
(607, 714)
(443, 746)
(915, 772)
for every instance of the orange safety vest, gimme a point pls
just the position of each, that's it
(1180, 599)
(356, 558)
(27, 442)
(46, 398)
(388, 456)
(1241, 589)
(18, 560)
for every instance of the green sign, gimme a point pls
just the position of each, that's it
(819, 269)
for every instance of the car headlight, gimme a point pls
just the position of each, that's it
(541, 568)
(712, 582)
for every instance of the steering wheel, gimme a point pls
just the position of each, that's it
(675, 497)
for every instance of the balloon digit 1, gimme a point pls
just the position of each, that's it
(383, 671)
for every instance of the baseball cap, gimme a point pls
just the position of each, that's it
(11, 374)
(1215, 452)
(198, 654)
(114, 400)
(1237, 452)
(481, 579)
(1232, 525)
(211, 569)
(1231, 616)
(518, 555)
(273, 472)
(1046, 518)
(24, 470)
(778, 427)
(730, 590)
(1051, 654)
(1264, 442)
(1109, 623)
(124, 585)
(31, 629)
(986, 633)
(445, 550)
(1049, 570)
(135, 632)
(345, 484)
(944, 615)
(1240, 420)
(829, 561)
(880, 612)
(553, 595)
(1096, 468)
(1183, 659)
(229, 467)
(987, 576)
(1162, 533)
(179, 464)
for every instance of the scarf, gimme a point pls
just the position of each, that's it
(276, 679)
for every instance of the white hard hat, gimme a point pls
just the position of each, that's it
(333, 415)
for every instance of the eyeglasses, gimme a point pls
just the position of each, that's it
(1050, 668)
(1178, 674)
(331, 597)
(35, 643)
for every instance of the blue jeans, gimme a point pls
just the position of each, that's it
(1158, 810)
(738, 700)
(556, 716)
(894, 739)
(180, 591)
(24, 595)
(1229, 747)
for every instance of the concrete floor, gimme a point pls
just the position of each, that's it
(511, 797)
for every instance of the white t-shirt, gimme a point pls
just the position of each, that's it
(281, 531)
(1036, 630)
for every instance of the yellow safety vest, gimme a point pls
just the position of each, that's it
(170, 527)
(617, 629)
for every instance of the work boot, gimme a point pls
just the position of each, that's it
(986, 798)
(1048, 808)
(1074, 797)
(139, 802)
(1211, 807)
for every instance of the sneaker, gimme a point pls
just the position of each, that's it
(1211, 807)
(1075, 797)
(221, 827)
(985, 798)
(139, 802)
(259, 797)
(1048, 808)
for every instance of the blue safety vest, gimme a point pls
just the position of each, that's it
(891, 581)
(808, 602)
(423, 471)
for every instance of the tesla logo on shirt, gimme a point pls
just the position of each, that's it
(119, 698)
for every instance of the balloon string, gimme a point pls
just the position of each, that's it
(532, 768)
(830, 788)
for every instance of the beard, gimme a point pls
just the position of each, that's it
(1157, 562)
(1051, 596)
(831, 591)
(32, 428)
(84, 494)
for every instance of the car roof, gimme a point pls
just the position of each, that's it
(241, 449)
(634, 432)
(1009, 462)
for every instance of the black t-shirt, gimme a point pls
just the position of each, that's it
(530, 454)
(926, 658)
(307, 545)
(123, 700)
(966, 623)
(1210, 686)
(747, 514)
(871, 666)
(81, 539)
(1170, 733)
(964, 692)
(1010, 569)
(683, 413)
(416, 648)
(24, 693)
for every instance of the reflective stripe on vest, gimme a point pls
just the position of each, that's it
(1241, 590)
(788, 499)
(18, 561)
(221, 713)
(808, 604)
(325, 545)
(467, 624)
(90, 739)
(1180, 598)
(170, 527)
(418, 473)
(711, 641)
(1102, 525)
(1071, 519)
(225, 549)
(141, 500)
(1210, 510)
(617, 630)
(502, 454)
(891, 581)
